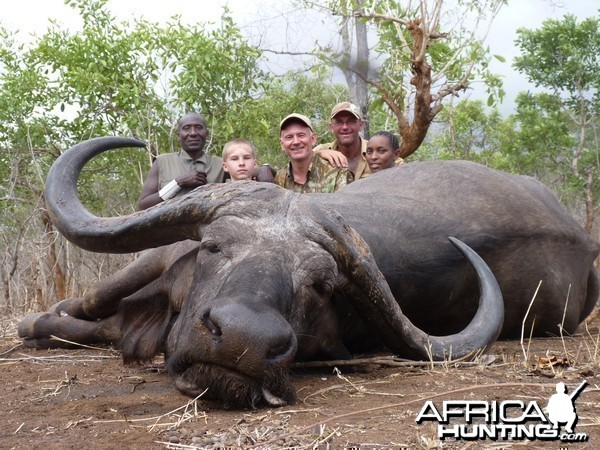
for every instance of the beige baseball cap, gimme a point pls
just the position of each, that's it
(346, 106)
(295, 117)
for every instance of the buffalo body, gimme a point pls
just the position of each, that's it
(243, 278)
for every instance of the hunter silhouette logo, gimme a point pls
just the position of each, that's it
(561, 406)
(507, 420)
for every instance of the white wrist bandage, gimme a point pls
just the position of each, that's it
(170, 190)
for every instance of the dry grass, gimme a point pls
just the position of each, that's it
(579, 357)
(315, 422)
(169, 420)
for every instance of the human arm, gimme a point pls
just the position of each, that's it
(333, 157)
(149, 195)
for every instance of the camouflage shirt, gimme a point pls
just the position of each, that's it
(322, 177)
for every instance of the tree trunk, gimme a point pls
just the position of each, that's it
(356, 73)
(589, 202)
(58, 276)
(413, 133)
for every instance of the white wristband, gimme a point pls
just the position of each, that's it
(170, 190)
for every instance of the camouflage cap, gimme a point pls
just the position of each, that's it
(296, 118)
(346, 106)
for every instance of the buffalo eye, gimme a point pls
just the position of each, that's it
(211, 247)
(322, 289)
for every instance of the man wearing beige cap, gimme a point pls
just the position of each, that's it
(305, 171)
(346, 124)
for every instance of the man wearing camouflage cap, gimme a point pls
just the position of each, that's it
(306, 172)
(346, 124)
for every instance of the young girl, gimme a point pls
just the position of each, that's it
(383, 150)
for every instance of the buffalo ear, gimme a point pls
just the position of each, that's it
(148, 314)
(146, 322)
(361, 282)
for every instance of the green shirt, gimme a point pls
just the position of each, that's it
(172, 165)
(322, 177)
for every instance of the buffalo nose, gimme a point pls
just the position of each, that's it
(280, 350)
(252, 336)
(209, 324)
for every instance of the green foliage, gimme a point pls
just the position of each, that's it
(562, 55)
(469, 132)
(545, 138)
(308, 95)
(128, 78)
(215, 73)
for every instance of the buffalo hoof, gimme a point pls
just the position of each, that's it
(37, 330)
(60, 329)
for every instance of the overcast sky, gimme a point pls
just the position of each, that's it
(31, 16)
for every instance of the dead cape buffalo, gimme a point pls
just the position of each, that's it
(256, 276)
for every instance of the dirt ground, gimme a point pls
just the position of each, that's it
(71, 399)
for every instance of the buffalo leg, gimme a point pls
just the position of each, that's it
(37, 330)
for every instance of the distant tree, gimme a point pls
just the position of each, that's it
(424, 54)
(563, 57)
(109, 78)
(544, 136)
(354, 59)
(467, 131)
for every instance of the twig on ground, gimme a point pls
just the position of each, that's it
(397, 405)
(55, 338)
(183, 417)
(10, 350)
(562, 323)
(525, 354)
(59, 358)
(392, 361)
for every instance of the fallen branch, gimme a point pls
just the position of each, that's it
(392, 361)
(59, 358)
(6, 352)
(55, 338)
